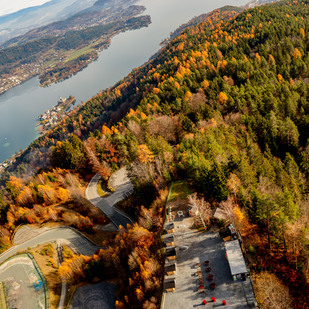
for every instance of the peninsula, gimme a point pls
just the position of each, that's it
(59, 50)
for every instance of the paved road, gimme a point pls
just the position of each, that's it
(123, 188)
(92, 190)
(26, 232)
(64, 235)
(27, 236)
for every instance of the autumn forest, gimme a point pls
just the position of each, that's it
(223, 106)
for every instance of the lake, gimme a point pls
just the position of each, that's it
(20, 106)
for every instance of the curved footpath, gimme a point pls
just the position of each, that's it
(123, 188)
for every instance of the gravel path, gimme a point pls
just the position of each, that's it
(27, 232)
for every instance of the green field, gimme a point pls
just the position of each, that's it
(3, 304)
(78, 53)
(179, 188)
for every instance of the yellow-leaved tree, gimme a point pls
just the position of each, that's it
(205, 84)
(297, 54)
(144, 154)
(64, 194)
(222, 97)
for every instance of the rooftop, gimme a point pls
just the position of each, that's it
(235, 257)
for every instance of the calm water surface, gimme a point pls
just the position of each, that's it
(20, 106)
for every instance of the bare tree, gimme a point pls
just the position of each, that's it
(163, 162)
(164, 126)
(143, 172)
(101, 168)
(197, 101)
(228, 207)
(201, 209)
(137, 131)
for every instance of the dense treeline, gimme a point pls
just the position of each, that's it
(26, 51)
(224, 105)
(223, 13)
(74, 39)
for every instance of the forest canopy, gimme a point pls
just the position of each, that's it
(225, 105)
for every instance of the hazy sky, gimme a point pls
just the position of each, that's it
(10, 6)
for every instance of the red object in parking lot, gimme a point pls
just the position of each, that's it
(204, 302)
(213, 299)
(224, 302)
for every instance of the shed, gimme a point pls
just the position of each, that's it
(170, 253)
(219, 214)
(168, 240)
(169, 228)
(236, 260)
(229, 231)
(169, 285)
(170, 269)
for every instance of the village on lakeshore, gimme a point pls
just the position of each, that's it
(52, 116)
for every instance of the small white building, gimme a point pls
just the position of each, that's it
(236, 260)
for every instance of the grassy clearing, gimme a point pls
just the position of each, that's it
(68, 254)
(179, 189)
(3, 303)
(78, 53)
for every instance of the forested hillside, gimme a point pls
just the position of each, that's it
(225, 105)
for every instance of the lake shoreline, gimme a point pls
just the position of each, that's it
(127, 51)
(66, 69)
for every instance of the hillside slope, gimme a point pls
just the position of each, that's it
(224, 105)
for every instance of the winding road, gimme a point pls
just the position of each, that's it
(28, 237)
(123, 188)
(64, 235)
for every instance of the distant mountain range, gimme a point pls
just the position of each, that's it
(20, 22)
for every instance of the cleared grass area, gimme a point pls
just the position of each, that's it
(46, 257)
(179, 189)
(68, 254)
(3, 303)
(78, 53)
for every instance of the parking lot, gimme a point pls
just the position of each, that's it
(195, 248)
